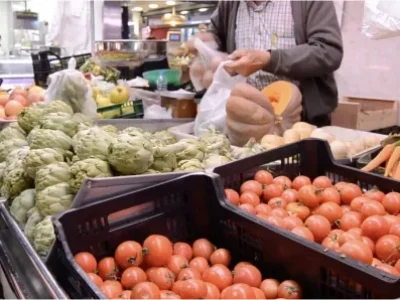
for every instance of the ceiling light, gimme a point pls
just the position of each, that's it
(173, 19)
(171, 2)
(203, 9)
(153, 6)
(184, 12)
(137, 8)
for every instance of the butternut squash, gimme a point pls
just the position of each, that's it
(251, 113)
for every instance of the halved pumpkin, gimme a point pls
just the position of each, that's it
(251, 113)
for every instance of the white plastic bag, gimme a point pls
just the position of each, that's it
(211, 111)
(157, 112)
(71, 87)
(148, 98)
(205, 64)
(381, 19)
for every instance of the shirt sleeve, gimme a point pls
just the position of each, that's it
(217, 27)
(323, 51)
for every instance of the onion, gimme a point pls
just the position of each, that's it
(339, 149)
(291, 136)
(358, 145)
(319, 133)
(371, 141)
(271, 141)
(304, 129)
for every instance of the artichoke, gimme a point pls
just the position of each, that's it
(30, 117)
(2, 168)
(216, 142)
(47, 138)
(214, 160)
(44, 236)
(12, 132)
(6, 147)
(92, 142)
(110, 129)
(15, 159)
(82, 118)
(130, 155)
(151, 171)
(166, 163)
(192, 149)
(38, 158)
(60, 121)
(14, 182)
(22, 204)
(51, 174)
(165, 136)
(54, 199)
(58, 106)
(251, 148)
(189, 165)
(34, 217)
(134, 131)
(87, 168)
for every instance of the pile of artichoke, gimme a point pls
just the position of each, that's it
(47, 155)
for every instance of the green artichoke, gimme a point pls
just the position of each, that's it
(60, 121)
(165, 136)
(151, 171)
(84, 119)
(166, 163)
(38, 158)
(30, 117)
(17, 155)
(87, 168)
(214, 160)
(44, 236)
(14, 182)
(54, 199)
(134, 131)
(13, 131)
(92, 142)
(110, 129)
(22, 204)
(189, 165)
(251, 148)
(2, 168)
(51, 174)
(47, 138)
(130, 155)
(6, 147)
(58, 106)
(34, 217)
(216, 142)
(193, 148)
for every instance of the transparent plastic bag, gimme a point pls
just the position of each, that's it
(157, 112)
(71, 87)
(205, 64)
(381, 19)
(148, 98)
(211, 111)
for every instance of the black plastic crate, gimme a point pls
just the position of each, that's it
(331, 275)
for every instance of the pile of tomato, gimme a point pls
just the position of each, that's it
(340, 217)
(159, 269)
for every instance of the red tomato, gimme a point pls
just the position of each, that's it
(345, 208)
(349, 236)
(387, 248)
(319, 226)
(108, 269)
(283, 180)
(375, 227)
(303, 232)
(340, 184)
(388, 269)
(350, 220)
(348, 192)
(298, 209)
(369, 242)
(111, 289)
(331, 211)
(158, 250)
(263, 208)
(357, 250)
(247, 274)
(270, 288)
(164, 294)
(279, 212)
(336, 233)
(375, 262)
(310, 196)
(128, 254)
(277, 202)
(290, 195)
(322, 182)
(289, 289)
(163, 278)
(395, 229)
(125, 294)
(356, 230)
(176, 263)
(193, 289)
(189, 273)
(259, 293)
(372, 208)
(86, 261)
(248, 208)
(183, 249)
(203, 248)
(272, 190)
(291, 222)
(358, 202)
(220, 256)
(397, 265)
(262, 216)
(200, 264)
(212, 291)
(391, 202)
(331, 243)
(300, 181)
(330, 194)
(276, 221)
(132, 276)
(176, 287)
(145, 290)
(219, 275)
(249, 198)
(263, 177)
(392, 220)
(96, 279)
(232, 196)
(238, 291)
(252, 186)
(375, 194)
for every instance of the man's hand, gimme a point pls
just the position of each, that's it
(246, 61)
(204, 36)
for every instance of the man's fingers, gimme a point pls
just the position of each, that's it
(233, 67)
(238, 54)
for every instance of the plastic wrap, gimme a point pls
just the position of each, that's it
(381, 19)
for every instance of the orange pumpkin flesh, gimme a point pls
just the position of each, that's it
(279, 94)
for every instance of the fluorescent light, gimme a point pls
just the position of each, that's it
(171, 2)
(203, 9)
(153, 6)
(137, 8)
(184, 12)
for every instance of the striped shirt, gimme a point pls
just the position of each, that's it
(266, 26)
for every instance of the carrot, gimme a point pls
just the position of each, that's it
(396, 174)
(392, 160)
(394, 169)
(382, 156)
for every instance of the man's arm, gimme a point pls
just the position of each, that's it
(323, 52)
(217, 27)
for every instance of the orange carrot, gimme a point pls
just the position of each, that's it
(392, 160)
(382, 156)
(396, 173)
(394, 169)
